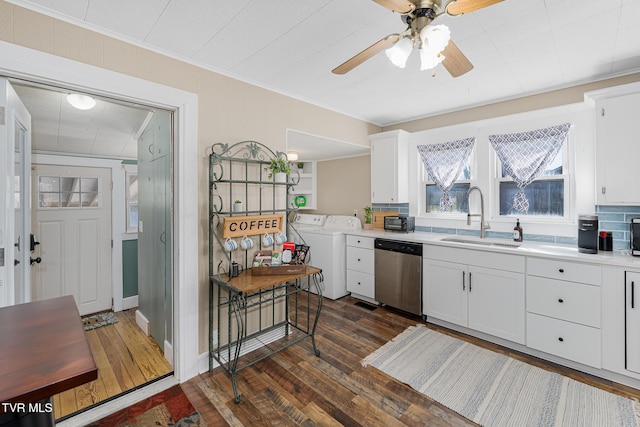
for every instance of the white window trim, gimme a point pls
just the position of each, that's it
(424, 180)
(568, 154)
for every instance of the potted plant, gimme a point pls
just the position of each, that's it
(368, 218)
(279, 168)
(237, 206)
(300, 167)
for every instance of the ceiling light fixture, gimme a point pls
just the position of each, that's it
(432, 40)
(292, 156)
(81, 102)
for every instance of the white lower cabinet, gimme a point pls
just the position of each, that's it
(360, 267)
(564, 309)
(632, 321)
(570, 340)
(488, 300)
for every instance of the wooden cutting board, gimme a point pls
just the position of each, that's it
(378, 217)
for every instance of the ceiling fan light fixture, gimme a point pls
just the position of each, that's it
(80, 101)
(435, 39)
(399, 52)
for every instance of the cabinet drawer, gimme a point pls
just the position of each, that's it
(479, 257)
(360, 260)
(570, 301)
(360, 242)
(564, 270)
(564, 339)
(361, 283)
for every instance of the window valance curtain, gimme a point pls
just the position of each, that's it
(526, 155)
(444, 162)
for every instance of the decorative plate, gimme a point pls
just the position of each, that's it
(300, 201)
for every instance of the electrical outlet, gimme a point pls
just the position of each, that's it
(355, 212)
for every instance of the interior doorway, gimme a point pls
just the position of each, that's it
(77, 156)
(42, 67)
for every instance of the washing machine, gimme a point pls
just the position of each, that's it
(328, 248)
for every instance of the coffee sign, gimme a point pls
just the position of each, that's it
(237, 226)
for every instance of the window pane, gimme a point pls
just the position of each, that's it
(545, 198)
(554, 168)
(89, 185)
(458, 193)
(89, 199)
(68, 184)
(49, 200)
(48, 184)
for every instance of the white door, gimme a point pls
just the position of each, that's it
(445, 291)
(496, 303)
(15, 158)
(72, 222)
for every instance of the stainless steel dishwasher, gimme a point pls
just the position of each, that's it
(398, 275)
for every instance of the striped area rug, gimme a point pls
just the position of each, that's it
(492, 389)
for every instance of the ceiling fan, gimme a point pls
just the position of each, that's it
(432, 40)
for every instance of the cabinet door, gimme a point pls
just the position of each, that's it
(445, 291)
(384, 172)
(496, 303)
(617, 150)
(632, 314)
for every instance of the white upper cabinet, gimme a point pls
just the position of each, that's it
(617, 149)
(389, 171)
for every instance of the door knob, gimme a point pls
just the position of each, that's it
(36, 260)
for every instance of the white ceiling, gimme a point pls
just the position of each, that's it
(518, 47)
(109, 129)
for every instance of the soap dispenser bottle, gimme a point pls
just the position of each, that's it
(517, 232)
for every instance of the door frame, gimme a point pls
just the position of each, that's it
(40, 67)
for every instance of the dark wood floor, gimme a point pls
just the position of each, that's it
(294, 387)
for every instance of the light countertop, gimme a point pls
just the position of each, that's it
(620, 258)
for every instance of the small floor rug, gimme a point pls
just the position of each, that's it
(168, 408)
(99, 320)
(492, 389)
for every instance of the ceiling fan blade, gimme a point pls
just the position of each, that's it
(369, 52)
(454, 60)
(398, 6)
(458, 7)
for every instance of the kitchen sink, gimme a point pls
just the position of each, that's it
(482, 242)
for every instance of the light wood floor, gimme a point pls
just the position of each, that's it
(294, 387)
(126, 358)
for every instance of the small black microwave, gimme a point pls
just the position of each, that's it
(400, 223)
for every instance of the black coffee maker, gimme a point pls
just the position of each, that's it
(588, 234)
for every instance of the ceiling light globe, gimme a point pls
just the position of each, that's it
(399, 52)
(81, 102)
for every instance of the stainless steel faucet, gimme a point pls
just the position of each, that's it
(483, 226)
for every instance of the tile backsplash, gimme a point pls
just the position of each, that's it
(616, 219)
(611, 218)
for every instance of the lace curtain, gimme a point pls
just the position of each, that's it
(526, 155)
(444, 162)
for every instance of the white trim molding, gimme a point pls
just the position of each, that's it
(28, 64)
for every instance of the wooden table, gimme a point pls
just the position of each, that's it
(43, 351)
(240, 294)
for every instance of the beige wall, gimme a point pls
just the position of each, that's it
(229, 110)
(344, 185)
(529, 103)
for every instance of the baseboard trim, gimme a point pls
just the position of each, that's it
(168, 352)
(130, 302)
(142, 322)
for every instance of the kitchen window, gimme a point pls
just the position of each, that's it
(538, 162)
(446, 175)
